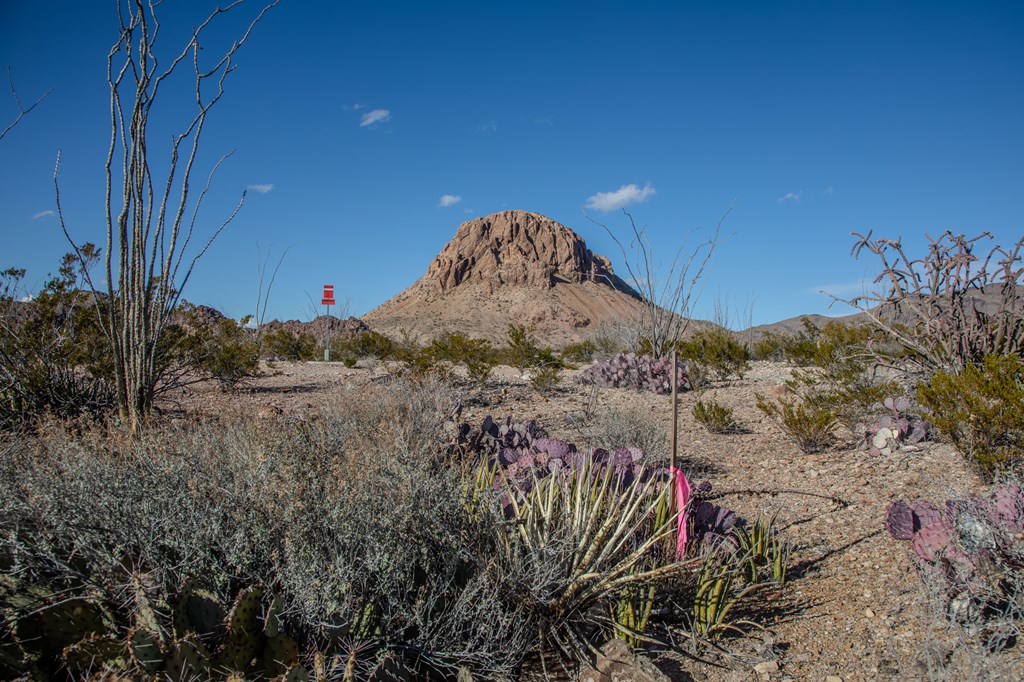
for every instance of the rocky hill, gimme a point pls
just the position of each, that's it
(511, 267)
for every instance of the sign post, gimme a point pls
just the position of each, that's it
(328, 300)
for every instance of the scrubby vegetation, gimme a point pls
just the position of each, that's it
(373, 537)
(387, 534)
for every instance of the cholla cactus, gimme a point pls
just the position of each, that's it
(639, 372)
(893, 431)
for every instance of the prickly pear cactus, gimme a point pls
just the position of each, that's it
(899, 521)
(894, 431)
(972, 544)
(244, 631)
(639, 372)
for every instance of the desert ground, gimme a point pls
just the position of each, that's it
(854, 608)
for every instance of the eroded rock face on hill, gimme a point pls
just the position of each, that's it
(517, 248)
(512, 267)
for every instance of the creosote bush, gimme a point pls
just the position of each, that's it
(714, 416)
(811, 425)
(718, 351)
(281, 344)
(981, 410)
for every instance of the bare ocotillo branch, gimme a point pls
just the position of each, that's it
(669, 296)
(151, 220)
(22, 111)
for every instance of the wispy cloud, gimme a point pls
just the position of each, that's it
(790, 196)
(489, 127)
(353, 107)
(468, 210)
(43, 214)
(262, 189)
(449, 200)
(623, 196)
(375, 116)
(829, 190)
(544, 121)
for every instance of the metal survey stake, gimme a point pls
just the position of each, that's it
(328, 300)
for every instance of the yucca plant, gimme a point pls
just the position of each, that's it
(761, 545)
(720, 586)
(592, 538)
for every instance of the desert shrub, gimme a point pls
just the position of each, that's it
(521, 347)
(639, 372)
(478, 355)
(54, 356)
(950, 308)
(544, 378)
(580, 352)
(370, 344)
(281, 344)
(350, 519)
(768, 346)
(981, 409)
(717, 350)
(810, 424)
(970, 551)
(714, 416)
(614, 429)
(226, 352)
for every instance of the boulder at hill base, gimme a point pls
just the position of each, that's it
(512, 267)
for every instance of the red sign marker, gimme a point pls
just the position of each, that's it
(328, 295)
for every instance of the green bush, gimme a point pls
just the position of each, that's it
(718, 351)
(981, 409)
(478, 355)
(521, 347)
(809, 423)
(714, 416)
(579, 353)
(770, 346)
(54, 357)
(281, 344)
(226, 352)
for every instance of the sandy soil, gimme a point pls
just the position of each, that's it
(854, 609)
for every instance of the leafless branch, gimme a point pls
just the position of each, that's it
(22, 111)
(669, 296)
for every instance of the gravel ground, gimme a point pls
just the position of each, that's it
(854, 609)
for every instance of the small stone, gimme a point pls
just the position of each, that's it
(833, 678)
(868, 613)
(766, 667)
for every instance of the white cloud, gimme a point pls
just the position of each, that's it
(829, 190)
(489, 127)
(375, 116)
(262, 189)
(43, 214)
(468, 210)
(449, 200)
(623, 196)
(790, 196)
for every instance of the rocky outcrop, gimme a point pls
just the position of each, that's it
(512, 267)
(517, 248)
(339, 328)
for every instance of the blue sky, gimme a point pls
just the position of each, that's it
(352, 123)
